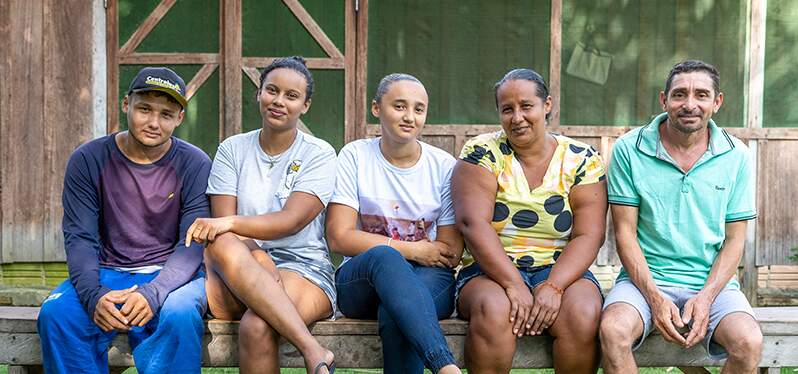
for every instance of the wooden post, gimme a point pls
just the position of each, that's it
(754, 98)
(360, 68)
(555, 63)
(231, 72)
(350, 66)
(112, 67)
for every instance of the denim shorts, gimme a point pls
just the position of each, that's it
(729, 300)
(532, 277)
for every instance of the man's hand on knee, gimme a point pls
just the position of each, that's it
(137, 309)
(696, 310)
(667, 320)
(107, 316)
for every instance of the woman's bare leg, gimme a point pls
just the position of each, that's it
(258, 342)
(229, 258)
(490, 343)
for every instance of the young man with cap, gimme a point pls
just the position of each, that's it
(128, 199)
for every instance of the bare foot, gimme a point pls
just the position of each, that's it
(321, 363)
(449, 369)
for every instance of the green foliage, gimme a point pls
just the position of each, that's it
(794, 256)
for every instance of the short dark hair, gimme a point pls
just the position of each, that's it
(542, 90)
(691, 66)
(390, 79)
(296, 63)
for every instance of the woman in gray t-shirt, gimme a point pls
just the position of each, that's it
(267, 260)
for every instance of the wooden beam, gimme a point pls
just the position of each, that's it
(756, 64)
(253, 74)
(361, 72)
(23, 144)
(597, 131)
(555, 63)
(112, 67)
(312, 62)
(169, 58)
(350, 66)
(146, 27)
(231, 73)
(313, 28)
(749, 279)
(5, 96)
(199, 79)
(755, 84)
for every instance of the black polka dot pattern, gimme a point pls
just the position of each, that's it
(556, 255)
(500, 212)
(476, 155)
(563, 222)
(525, 262)
(505, 148)
(554, 205)
(525, 219)
(576, 149)
(578, 178)
(491, 156)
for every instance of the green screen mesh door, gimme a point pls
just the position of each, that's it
(218, 47)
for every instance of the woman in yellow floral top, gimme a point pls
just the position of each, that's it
(532, 207)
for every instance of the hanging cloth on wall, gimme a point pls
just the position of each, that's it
(589, 63)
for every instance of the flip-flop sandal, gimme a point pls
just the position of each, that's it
(330, 367)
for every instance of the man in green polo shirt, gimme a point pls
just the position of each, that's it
(682, 191)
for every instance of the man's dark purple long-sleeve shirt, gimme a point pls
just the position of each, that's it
(120, 214)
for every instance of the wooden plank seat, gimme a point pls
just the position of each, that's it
(357, 345)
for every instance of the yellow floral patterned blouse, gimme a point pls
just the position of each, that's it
(533, 225)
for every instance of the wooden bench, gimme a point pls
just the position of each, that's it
(357, 345)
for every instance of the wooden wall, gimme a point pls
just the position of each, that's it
(45, 112)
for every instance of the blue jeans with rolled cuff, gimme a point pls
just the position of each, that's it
(171, 342)
(407, 299)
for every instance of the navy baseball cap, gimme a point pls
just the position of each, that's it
(160, 79)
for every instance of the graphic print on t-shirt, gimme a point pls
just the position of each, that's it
(399, 220)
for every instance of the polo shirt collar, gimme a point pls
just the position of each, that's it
(648, 140)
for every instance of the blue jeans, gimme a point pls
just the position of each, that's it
(169, 343)
(407, 300)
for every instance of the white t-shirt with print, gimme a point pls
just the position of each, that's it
(403, 203)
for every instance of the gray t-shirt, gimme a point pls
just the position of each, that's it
(262, 184)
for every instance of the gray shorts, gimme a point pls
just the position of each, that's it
(318, 270)
(729, 300)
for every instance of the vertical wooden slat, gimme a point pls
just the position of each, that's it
(68, 78)
(222, 84)
(755, 85)
(350, 58)
(231, 73)
(756, 64)
(555, 62)
(361, 69)
(22, 174)
(112, 51)
(5, 96)
(49, 99)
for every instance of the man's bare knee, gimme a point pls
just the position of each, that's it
(620, 326)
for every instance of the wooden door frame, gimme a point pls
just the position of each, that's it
(229, 60)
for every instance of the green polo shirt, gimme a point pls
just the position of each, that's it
(681, 216)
